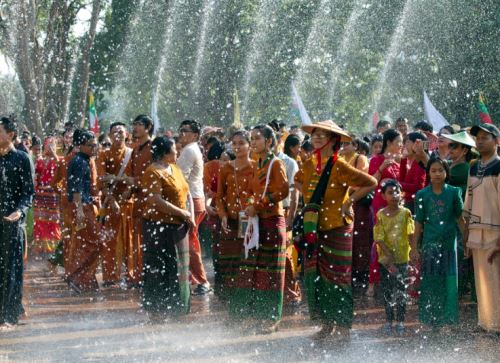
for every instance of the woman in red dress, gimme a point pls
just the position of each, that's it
(46, 208)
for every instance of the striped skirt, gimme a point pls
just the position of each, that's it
(47, 216)
(261, 278)
(227, 251)
(327, 277)
(166, 268)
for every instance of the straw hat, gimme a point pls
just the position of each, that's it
(329, 126)
(461, 137)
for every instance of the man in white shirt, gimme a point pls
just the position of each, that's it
(190, 161)
(482, 214)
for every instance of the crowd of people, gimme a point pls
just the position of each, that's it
(306, 214)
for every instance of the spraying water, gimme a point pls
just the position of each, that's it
(208, 10)
(392, 53)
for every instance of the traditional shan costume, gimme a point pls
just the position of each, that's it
(233, 192)
(261, 280)
(328, 271)
(17, 189)
(46, 208)
(438, 302)
(165, 244)
(85, 238)
(141, 159)
(482, 206)
(117, 228)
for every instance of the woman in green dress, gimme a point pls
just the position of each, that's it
(438, 209)
(460, 152)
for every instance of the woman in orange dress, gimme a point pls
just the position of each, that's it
(233, 191)
(166, 223)
(261, 279)
(59, 183)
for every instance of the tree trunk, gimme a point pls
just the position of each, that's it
(58, 59)
(85, 65)
(44, 69)
(25, 64)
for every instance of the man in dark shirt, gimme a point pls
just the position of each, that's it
(16, 193)
(81, 277)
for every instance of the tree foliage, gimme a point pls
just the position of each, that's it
(348, 58)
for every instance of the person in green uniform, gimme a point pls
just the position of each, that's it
(438, 209)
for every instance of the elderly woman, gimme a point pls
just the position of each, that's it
(165, 234)
(328, 264)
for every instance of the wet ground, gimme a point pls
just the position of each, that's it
(109, 326)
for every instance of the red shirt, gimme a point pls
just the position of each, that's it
(411, 178)
(391, 172)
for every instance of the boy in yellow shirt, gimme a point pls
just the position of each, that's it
(392, 235)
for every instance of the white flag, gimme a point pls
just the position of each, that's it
(298, 106)
(154, 109)
(432, 115)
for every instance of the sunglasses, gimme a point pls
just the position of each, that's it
(453, 145)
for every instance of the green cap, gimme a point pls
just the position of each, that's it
(489, 128)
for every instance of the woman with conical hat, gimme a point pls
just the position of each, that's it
(328, 257)
(460, 153)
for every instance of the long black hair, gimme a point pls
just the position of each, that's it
(244, 134)
(160, 147)
(443, 163)
(82, 136)
(389, 136)
(267, 132)
(416, 135)
(291, 141)
(215, 151)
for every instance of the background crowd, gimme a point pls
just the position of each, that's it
(291, 215)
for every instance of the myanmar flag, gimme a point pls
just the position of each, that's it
(484, 115)
(93, 121)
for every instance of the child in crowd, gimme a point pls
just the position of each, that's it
(392, 235)
(438, 209)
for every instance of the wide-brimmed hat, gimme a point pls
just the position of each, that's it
(489, 128)
(461, 137)
(329, 126)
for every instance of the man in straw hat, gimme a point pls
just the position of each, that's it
(482, 212)
(328, 228)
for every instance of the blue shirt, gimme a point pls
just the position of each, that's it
(79, 178)
(16, 183)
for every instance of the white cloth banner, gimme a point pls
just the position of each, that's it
(154, 110)
(298, 105)
(432, 115)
